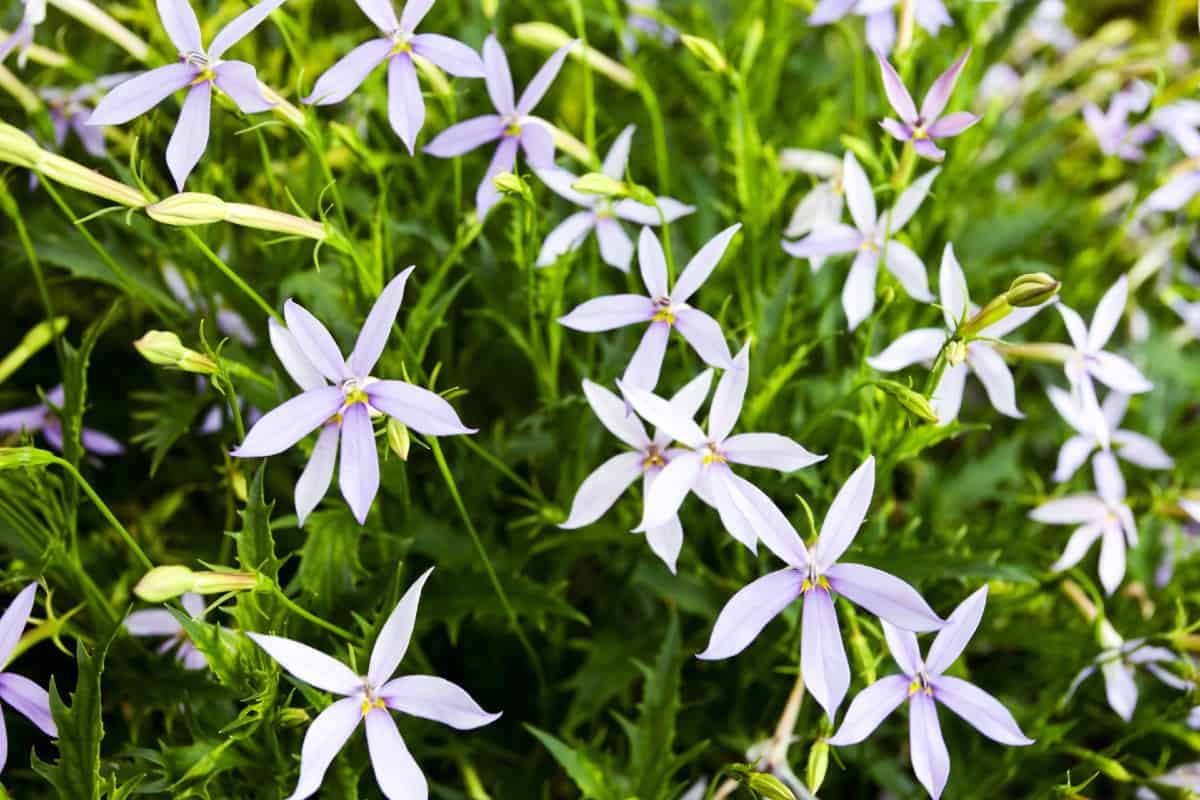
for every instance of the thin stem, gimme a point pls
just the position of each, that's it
(509, 612)
(105, 512)
(1077, 596)
(503, 468)
(908, 16)
(311, 617)
(233, 277)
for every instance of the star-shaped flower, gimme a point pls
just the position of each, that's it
(922, 129)
(1135, 448)
(1118, 663)
(880, 18)
(370, 699)
(160, 622)
(815, 576)
(22, 37)
(1111, 128)
(601, 214)
(16, 691)
(341, 396)
(924, 685)
(870, 238)
(43, 417)
(400, 42)
(662, 308)
(822, 206)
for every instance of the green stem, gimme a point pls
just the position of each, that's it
(105, 512)
(228, 272)
(509, 611)
(311, 617)
(503, 468)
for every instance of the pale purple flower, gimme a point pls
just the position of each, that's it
(340, 397)
(1118, 663)
(880, 18)
(1181, 122)
(406, 107)
(22, 37)
(69, 110)
(822, 206)
(924, 684)
(159, 622)
(1000, 83)
(43, 418)
(1111, 128)
(648, 456)
(1104, 516)
(16, 691)
(661, 309)
(870, 239)
(815, 577)
(1135, 448)
(198, 70)
(979, 355)
(511, 125)
(705, 470)
(369, 699)
(227, 320)
(601, 214)
(1090, 360)
(642, 20)
(1176, 192)
(923, 128)
(1047, 25)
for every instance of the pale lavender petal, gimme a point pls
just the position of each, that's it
(396, 772)
(1108, 314)
(566, 237)
(326, 736)
(960, 627)
(179, 21)
(737, 515)
(315, 341)
(618, 155)
(860, 197)
(646, 364)
(497, 75)
(939, 94)
(749, 611)
(922, 344)
(897, 130)
(414, 11)
(927, 149)
(884, 595)
(952, 289)
(238, 80)
(822, 655)
(240, 26)
(601, 489)
(930, 759)
(827, 11)
(702, 265)
(562, 182)
(1069, 510)
(881, 31)
(932, 15)
(666, 541)
(52, 430)
(30, 700)
(318, 473)
(487, 195)
(450, 54)
(1073, 455)
(100, 443)
(704, 334)
(910, 200)
(358, 477)
(904, 649)
(152, 622)
(897, 94)
(288, 351)
(869, 708)
(668, 490)
(826, 241)
(982, 711)
(610, 312)
(381, 13)
(772, 526)
(12, 624)
(642, 214)
(465, 136)
(653, 264)
(373, 336)
(952, 125)
(665, 416)
(21, 37)
(396, 633)
(1076, 328)
(406, 106)
(190, 657)
(309, 665)
(1175, 193)
(1114, 408)
(1110, 484)
(858, 293)
(1141, 450)
(1015, 319)
(731, 393)
(190, 137)
(537, 88)
(989, 366)
(537, 140)
(141, 93)
(909, 269)
(288, 423)
(1120, 687)
(30, 418)
(614, 415)
(437, 699)
(947, 397)
(769, 450)
(1118, 373)
(337, 82)
(193, 604)
(616, 249)
(1112, 558)
(846, 514)
(688, 400)
(1068, 410)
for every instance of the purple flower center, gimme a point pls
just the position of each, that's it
(654, 458)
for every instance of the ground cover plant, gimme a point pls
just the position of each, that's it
(776, 399)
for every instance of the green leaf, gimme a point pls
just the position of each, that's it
(75, 384)
(652, 741)
(168, 416)
(255, 543)
(588, 776)
(329, 564)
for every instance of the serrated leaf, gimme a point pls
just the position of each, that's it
(652, 741)
(255, 542)
(587, 775)
(329, 562)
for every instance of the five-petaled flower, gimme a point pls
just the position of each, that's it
(1118, 663)
(22, 37)
(822, 206)
(370, 699)
(44, 417)
(513, 123)
(705, 470)
(923, 684)
(406, 107)
(1114, 134)
(23, 695)
(662, 308)
(979, 355)
(1133, 447)
(198, 71)
(870, 238)
(880, 18)
(815, 576)
(649, 455)
(922, 129)
(160, 622)
(601, 213)
(340, 395)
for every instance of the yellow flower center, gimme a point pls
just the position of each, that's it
(809, 584)
(920, 684)
(653, 459)
(206, 76)
(919, 133)
(368, 704)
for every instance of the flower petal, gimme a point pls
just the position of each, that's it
(179, 21)
(288, 423)
(537, 88)
(12, 624)
(910, 199)
(1073, 508)
(904, 649)
(1064, 403)
(822, 655)
(406, 106)
(1112, 558)
(381, 14)
(704, 334)
(614, 415)
(465, 136)
(652, 263)
(960, 627)
(602, 488)
(240, 26)
(922, 344)
(897, 94)
(939, 94)
(1174, 194)
(827, 11)
(30, 700)
(450, 54)
(897, 130)
(749, 611)
(100, 443)
(309, 665)
(615, 246)
(373, 336)
(326, 736)
(769, 450)
(1108, 314)
(238, 80)
(487, 195)
(982, 711)
(881, 31)
(1141, 450)
(869, 708)
(1119, 373)
(566, 237)
(190, 138)
(1110, 484)
(930, 759)
(358, 477)
(952, 288)
(846, 514)
(437, 699)
(414, 11)
(947, 397)
(666, 541)
(669, 489)
(396, 633)
(884, 595)
(1071, 456)
(618, 155)
(152, 622)
(702, 265)
(732, 507)
(989, 366)
(665, 416)
(609, 312)
(858, 293)
(318, 473)
(909, 269)
(30, 419)
(860, 197)
(562, 183)
(827, 240)
(952, 125)
(1120, 687)
(396, 771)
(497, 75)
(644, 367)
(927, 149)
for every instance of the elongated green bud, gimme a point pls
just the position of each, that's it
(912, 401)
(188, 208)
(763, 784)
(18, 147)
(163, 583)
(164, 349)
(221, 582)
(706, 51)
(545, 36)
(398, 438)
(1031, 290)
(600, 184)
(69, 173)
(818, 765)
(266, 219)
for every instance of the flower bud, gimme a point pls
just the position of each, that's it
(188, 208)
(398, 439)
(1031, 290)
(219, 582)
(292, 717)
(706, 51)
(545, 36)
(643, 195)
(914, 402)
(18, 147)
(163, 583)
(266, 219)
(762, 784)
(55, 168)
(510, 183)
(164, 349)
(1107, 635)
(818, 765)
(997, 309)
(601, 184)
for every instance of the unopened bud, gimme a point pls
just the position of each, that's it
(1032, 290)
(510, 183)
(1107, 635)
(763, 784)
(237, 482)
(818, 765)
(220, 582)
(18, 147)
(266, 219)
(163, 583)
(600, 184)
(164, 349)
(643, 195)
(546, 36)
(54, 167)
(292, 717)
(706, 51)
(912, 401)
(188, 208)
(489, 8)
(398, 438)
